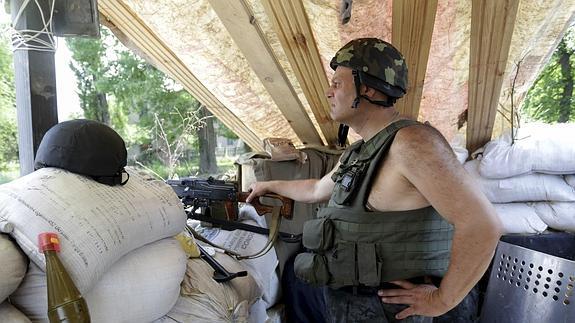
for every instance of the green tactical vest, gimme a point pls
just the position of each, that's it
(351, 246)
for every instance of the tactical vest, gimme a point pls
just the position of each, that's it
(349, 245)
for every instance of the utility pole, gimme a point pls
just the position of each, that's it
(35, 77)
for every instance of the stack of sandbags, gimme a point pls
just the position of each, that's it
(525, 179)
(242, 299)
(262, 269)
(116, 242)
(205, 300)
(12, 271)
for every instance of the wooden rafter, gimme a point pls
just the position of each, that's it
(291, 23)
(119, 13)
(412, 28)
(492, 23)
(248, 36)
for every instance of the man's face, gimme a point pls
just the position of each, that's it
(341, 94)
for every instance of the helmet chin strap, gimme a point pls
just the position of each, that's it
(344, 129)
(358, 96)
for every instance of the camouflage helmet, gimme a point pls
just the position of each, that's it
(379, 65)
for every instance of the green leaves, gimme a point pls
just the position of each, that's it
(8, 128)
(550, 99)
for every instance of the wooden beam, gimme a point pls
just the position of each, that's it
(412, 27)
(249, 37)
(291, 24)
(35, 81)
(492, 24)
(120, 14)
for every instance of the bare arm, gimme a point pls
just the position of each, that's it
(427, 162)
(305, 190)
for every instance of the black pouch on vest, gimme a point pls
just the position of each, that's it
(318, 234)
(312, 269)
(347, 183)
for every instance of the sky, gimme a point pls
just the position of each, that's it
(68, 102)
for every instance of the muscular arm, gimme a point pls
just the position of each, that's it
(306, 190)
(427, 162)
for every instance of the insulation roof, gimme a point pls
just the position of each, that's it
(262, 66)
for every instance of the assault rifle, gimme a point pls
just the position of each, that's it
(216, 201)
(219, 199)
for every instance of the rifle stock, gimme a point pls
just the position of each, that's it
(286, 207)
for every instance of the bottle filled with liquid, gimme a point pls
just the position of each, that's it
(65, 303)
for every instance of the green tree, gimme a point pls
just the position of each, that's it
(91, 69)
(550, 99)
(148, 109)
(8, 125)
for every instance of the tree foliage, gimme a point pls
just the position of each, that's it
(8, 127)
(150, 111)
(550, 99)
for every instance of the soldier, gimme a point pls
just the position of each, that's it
(406, 233)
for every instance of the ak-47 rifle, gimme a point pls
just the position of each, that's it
(210, 197)
(213, 196)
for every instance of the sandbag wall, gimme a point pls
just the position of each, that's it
(118, 245)
(531, 179)
(116, 242)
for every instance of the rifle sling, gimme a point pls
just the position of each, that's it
(199, 237)
(272, 236)
(274, 230)
(232, 225)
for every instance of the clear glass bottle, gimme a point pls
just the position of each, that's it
(65, 303)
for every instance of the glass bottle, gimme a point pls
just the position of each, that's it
(65, 303)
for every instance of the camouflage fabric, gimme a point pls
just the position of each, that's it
(378, 59)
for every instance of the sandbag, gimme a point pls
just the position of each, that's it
(262, 269)
(519, 218)
(203, 299)
(10, 314)
(541, 148)
(140, 287)
(570, 179)
(461, 153)
(13, 266)
(557, 215)
(522, 188)
(97, 223)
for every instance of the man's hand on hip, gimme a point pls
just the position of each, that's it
(422, 299)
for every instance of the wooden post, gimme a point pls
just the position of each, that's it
(35, 78)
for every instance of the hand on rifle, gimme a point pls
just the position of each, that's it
(256, 190)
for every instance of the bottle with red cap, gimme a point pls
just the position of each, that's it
(65, 303)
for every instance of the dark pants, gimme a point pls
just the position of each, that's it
(305, 303)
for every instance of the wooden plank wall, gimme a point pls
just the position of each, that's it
(291, 23)
(243, 28)
(412, 27)
(492, 24)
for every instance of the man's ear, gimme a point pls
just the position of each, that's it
(368, 91)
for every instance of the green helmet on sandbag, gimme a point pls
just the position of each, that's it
(375, 63)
